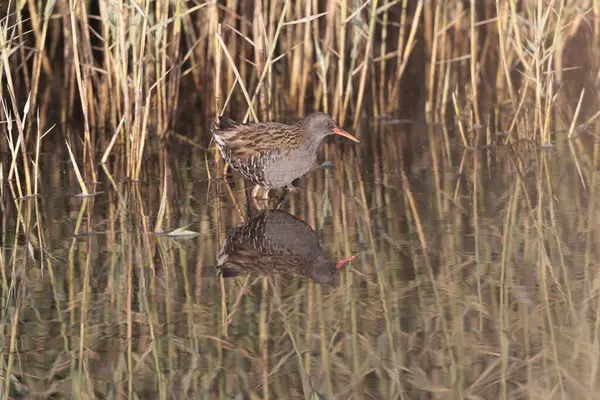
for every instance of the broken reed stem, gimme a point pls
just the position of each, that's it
(268, 62)
(432, 63)
(382, 52)
(82, 84)
(502, 12)
(77, 173)
(20, 123)
(144, 126)
(239, 78)
(218, 59)
(572, 128)
(40, 57)
(112, 141)
(338, 98)
(406, 51)
(163, 202)
(13, 340)
(38, 145)
(306, 60)
(459, 121)
(84, 301)
(263, 335)
(474, 39)
(545, 136)
(260, 40)
(366, 63)
(139, 127)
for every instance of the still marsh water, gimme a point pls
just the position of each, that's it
(467, 236)
(476, 277)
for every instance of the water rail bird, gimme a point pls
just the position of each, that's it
(270, 154)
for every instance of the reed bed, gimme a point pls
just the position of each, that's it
(476, 223)
(123, 70)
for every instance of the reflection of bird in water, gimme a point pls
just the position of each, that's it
(275, 242)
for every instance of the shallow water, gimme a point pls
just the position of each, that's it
(476, 275)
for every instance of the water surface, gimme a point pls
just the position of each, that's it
(476, 276)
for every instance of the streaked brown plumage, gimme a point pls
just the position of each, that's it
(276, 243)
(270, 154)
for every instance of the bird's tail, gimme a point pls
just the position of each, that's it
(223, 123)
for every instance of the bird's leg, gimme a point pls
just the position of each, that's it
(265, 196)
(255, 191)
(255, 204)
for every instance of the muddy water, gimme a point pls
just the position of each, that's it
(476, 275)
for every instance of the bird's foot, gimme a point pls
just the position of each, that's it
(256, 196)
(256, 204)
(257, 189)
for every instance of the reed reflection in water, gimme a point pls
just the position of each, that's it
(475, 276)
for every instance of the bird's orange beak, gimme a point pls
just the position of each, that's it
(345, 261)
(345, 134)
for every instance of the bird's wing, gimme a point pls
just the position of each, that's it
(242, 141)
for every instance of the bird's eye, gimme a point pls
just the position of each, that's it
(330, 125)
